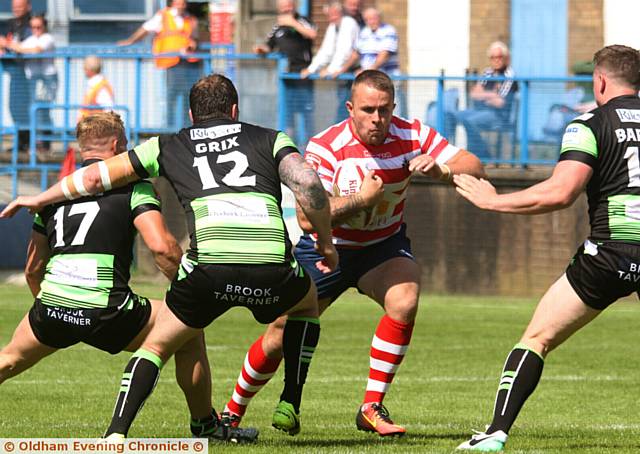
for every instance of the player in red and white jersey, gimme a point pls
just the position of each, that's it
(339, 150)
(365, 163)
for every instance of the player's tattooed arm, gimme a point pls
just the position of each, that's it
(370, 194)
(302, 179)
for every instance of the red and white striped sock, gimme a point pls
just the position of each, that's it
(257, 370)
(388, 347)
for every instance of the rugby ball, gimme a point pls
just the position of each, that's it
(347, 181)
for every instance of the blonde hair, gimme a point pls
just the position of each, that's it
(96, 131)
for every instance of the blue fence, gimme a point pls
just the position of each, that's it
(270, 96)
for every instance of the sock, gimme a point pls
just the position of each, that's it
(299, 341)
(257, 370)
(520, 376)
(138, 380)
(204, 426)
(388, 348)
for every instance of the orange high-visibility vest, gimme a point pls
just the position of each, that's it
(171, 39)
(91, 97)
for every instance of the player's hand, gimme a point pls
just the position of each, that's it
(371, 189)
(477, 191)
(425, 165)
(330, 261)
(29, 202)
(304, 73)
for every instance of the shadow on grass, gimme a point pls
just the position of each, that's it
(374, 440)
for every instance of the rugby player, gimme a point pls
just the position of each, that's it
(227, 175)
(599, 153)
(375, 254)
(78, 263)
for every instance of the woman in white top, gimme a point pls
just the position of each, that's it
(41, 72)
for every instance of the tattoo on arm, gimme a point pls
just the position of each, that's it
(343, 208)
(301, 178)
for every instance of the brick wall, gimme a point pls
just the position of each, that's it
(586, 30)
(490, 21)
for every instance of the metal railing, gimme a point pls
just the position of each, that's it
(271, 79)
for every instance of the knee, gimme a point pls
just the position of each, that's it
(540, 342)
(403, 307)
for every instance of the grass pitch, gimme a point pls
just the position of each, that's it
(586, 401)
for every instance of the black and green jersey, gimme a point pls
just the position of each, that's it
(608, 140)
(225, 174)
(91, 243)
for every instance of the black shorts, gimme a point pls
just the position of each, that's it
(602, 273)
(354, 262)
(109, 329)
(199, 296)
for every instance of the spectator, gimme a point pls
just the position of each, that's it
(18, 30)
(40, 72)
(99, 90)
(338, 44)
(492, 100)
(175, 31)
(377, 48)
(352, 9)
(293, 36)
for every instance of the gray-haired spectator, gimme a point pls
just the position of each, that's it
(492, 99)
(377, 45)
(99, 91)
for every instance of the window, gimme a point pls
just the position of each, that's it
(91, 10)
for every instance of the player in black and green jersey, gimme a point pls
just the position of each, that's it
(227, 175)
(600, 154)
(78, 266)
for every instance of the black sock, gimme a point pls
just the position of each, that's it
(520, 376)
(204, 426)
(138, 380)
(299, 341)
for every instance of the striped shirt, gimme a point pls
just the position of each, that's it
(503, 88)
(370, 43)
(337, 148)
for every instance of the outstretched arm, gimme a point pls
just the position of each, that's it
(568, 180)
(98, 177)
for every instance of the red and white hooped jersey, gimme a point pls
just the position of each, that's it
(338, 147)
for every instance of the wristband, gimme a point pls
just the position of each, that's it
(447, 174)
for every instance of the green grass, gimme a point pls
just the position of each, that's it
(586, 400)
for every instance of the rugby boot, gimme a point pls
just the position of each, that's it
(482, 441)
(374, 417)
(286, 419)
